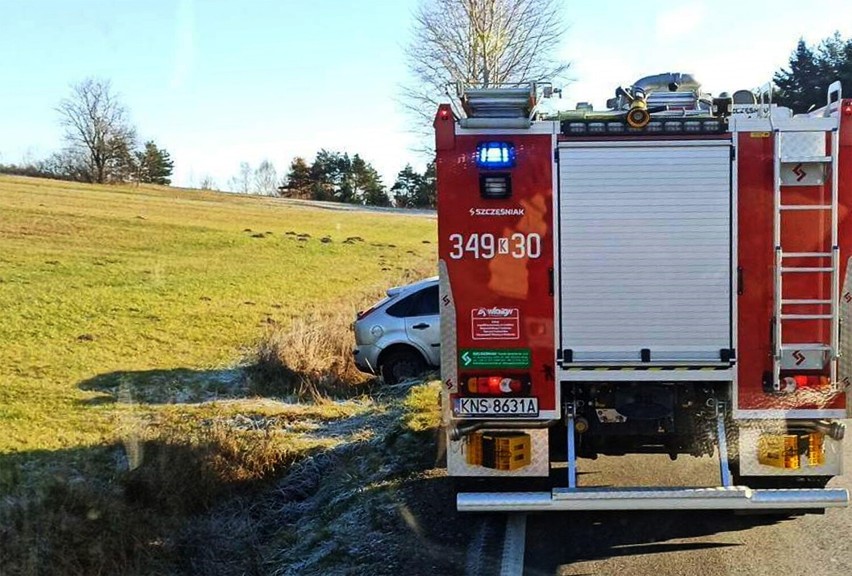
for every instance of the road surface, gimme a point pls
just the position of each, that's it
(686, 543)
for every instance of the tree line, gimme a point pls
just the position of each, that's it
(101, 144)
(812, 70)
(483, 42)
(337, 177)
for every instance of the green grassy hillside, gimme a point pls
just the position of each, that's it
(103, 280)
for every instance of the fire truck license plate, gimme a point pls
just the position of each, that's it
(495, 407)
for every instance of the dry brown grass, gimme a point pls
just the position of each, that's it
(168, 499)
(186, 467)
(180, 469)
(311, 358)
(202, 497)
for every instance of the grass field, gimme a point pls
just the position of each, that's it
(98, 282)
(177, 394)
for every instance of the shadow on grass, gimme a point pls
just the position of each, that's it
(58, 517)
(175, 386)
(186, 385)
(130, 507)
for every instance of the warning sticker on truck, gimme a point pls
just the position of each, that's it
(476, 358)
(495, 324)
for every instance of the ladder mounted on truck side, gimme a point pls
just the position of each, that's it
(806, 154)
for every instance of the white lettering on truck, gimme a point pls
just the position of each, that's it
(496, 211)
(485, 246)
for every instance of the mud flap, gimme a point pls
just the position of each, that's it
(844, 365)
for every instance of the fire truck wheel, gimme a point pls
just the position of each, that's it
(401, 365)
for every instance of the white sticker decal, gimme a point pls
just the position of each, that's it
(495, 324)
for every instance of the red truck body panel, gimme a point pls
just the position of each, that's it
(482, 282)
(802, 231)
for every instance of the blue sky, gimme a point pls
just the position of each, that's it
(217, 82)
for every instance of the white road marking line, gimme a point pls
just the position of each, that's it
(513, 545)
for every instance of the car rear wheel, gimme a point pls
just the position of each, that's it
(402, 365)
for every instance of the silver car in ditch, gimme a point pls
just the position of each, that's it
(400, 336)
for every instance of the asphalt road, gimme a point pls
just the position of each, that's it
(344, 207)
(690, 542)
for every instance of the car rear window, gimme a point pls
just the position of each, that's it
(421, 303)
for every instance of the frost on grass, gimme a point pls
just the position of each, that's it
(175, 386)
(264, 487)
(373, 502)
(374, 505)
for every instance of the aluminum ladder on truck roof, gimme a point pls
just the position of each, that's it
(501, 106)
(798, 143)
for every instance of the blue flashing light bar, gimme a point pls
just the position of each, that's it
(495, 155)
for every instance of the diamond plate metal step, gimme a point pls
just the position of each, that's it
(719, 498)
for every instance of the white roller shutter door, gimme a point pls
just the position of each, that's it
(645, 251)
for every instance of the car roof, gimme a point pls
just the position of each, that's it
(413, 287)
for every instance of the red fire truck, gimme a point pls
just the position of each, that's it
(668, 275)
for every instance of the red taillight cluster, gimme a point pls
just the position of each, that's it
(495, 385)
(818, 382)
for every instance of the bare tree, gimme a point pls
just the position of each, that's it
(266, 179)
(484, 42)
(207, 183)
(241, 182)
(97, 130)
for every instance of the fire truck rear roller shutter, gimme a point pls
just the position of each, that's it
(645, 251)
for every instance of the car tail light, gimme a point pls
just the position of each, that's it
(496, 385)
(365, 313)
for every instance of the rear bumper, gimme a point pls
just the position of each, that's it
(578, 499)
(365, 359)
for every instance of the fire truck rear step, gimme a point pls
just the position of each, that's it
(719, 498)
